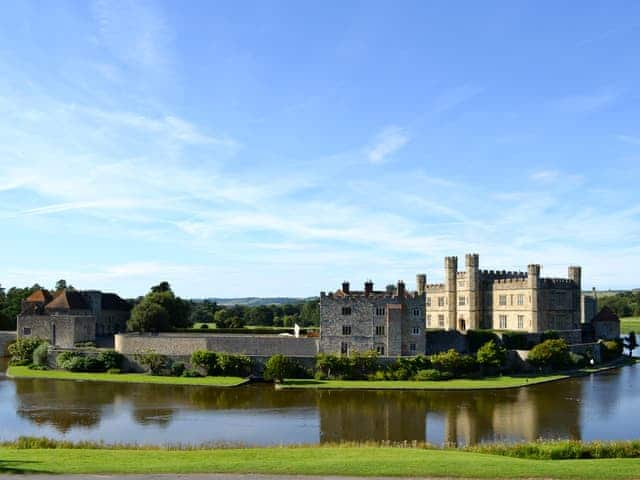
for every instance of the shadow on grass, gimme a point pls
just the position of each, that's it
(303, 382)
(18, 466)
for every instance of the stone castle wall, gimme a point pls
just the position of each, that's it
(173, 344)
(5, 339)
(68, 329)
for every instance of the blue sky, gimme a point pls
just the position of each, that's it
(277, 148)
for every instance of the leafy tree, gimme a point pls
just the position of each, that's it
(631, 343)
(552, 354)
(491, 356)
(225, 318)
(310, 313)
(161, 287)
(279, 367)
(22, 349)
(11, 305)
(201, 313)
(148, 316)
(206, 361)
(62, 284)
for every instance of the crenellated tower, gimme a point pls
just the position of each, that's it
(575, 274)
(472, 263)
(421, 283)
(533, 278)
(451, 291)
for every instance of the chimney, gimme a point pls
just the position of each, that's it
(400, 289)
(345, 287)
(421, 282)
(368, 287)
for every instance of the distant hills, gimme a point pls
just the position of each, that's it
(255, 301)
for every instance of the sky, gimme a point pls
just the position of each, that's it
(279, 148)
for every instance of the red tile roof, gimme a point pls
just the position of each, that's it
(67, 300)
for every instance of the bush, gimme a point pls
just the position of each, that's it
(41, 355)
(612, 349)
(204, 326)
(333, 366)
(234, 365)
(114, 371)
(111, 359)
(154, 362)
(93, 364)
(477, 338)
(191, 373)
(279, 367)
(363, 364)
(550, 354)
(431, 374)
(453, 362)
(491, 356)
(516, 341)
(206, 361)
(549, 335)
(22, 349)
(177, 369)
(76, 364)
(577, 360)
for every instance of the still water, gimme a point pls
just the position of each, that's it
(604, 406)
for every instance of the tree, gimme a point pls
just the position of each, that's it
(631, 343)
(201, 313)
(491, 356)
(279, 367)
(552, 354)
(177, 308)
(148, 316)
(310, 314)
(62, 284)
(161, 287)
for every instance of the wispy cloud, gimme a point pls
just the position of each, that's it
(590, 102)
(388, 142)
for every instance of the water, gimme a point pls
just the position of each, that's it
(597, 407)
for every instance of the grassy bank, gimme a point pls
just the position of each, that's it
(492, 383)
(630, 324)
(25, 372)
(310, 460)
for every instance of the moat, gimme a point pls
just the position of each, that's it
(600, 407)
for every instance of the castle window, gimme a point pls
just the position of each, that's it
(503, 321)
(416, 312)
(344, 348)
(502, 300)
(26, 331)
(520, 299)
(415, 331)
(441, 301)
(346, 329)
(412, 347)
(428, 301)
(428, 320)
(346, 310)
(462, 300)
(441, 320)
(380, 330)
(380, 349)
(520, 321)
(380, 311)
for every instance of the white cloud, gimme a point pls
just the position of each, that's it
(388, 142)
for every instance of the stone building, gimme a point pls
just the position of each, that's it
(67, 317)
(389, 322)
(502, 300)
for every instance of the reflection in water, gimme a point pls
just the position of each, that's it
(257, 414)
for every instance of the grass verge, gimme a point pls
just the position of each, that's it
(630, 324)
(25, 372)
(310, 460)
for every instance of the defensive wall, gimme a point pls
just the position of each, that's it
(6, 337)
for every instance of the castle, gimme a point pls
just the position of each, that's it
(393, 322)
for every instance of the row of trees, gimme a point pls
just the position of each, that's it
(626, 304)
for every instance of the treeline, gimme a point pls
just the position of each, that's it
(626, 304)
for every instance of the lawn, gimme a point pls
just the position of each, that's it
(628, 324)
(25, 372)
(455, 384)
(310, 460)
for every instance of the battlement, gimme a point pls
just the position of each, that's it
(435, 286)
(516, 280)
(502, 274)
(558, 283)
(462, 274)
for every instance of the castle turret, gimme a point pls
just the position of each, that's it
(401, 289)
(451, 288)
(575, 273)
(533, 277)
(368, 287)
(421, 283)
(345, 288)
(472, 261)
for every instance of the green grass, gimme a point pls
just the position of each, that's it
(25, 372)
(455, 384)
(629, 324)
(310, 460)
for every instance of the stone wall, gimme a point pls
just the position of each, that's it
(5, 339)
(185, 344)
(60, 330)
(606, 330)
(441, 341)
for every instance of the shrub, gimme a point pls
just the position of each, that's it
(177, 369)
(363, 364)
(454, 362)
(22, 349)
(550, 354)
(76, 364)
(204, 326)
(191, 373)
(40, 355)
(114, 371)
(93, 364)
(234, 365)
(477, 338)
(62, 360)
(577, 360)
(206, 361)
(154, 362)
(491, 356)
(333, 366)
(279, 367)
(516, 341)
(110, 359)
(377, 376)
(431, 374)
(612, 349)
(549, 335)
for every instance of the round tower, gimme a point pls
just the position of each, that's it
(451, 289)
